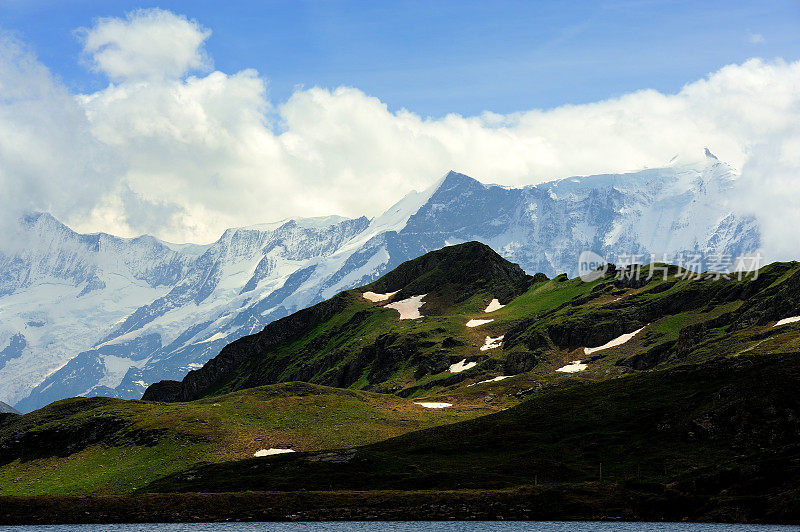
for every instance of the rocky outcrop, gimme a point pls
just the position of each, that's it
(649, 359)
(463, 269)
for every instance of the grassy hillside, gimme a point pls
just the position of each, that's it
(724, 432)
(699, 404)
(101, 445)
(351, 342)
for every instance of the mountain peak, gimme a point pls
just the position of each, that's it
(711, 155)
(468, 267)
(453, 179)
(41, 218)
(7, 409)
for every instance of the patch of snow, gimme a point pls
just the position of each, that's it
(496, 379)
(434, 405)
(573, 367)
(271, 451)
(115, 368)
(494, 305)
(492, 343)
(784, 321)
(475, 323)
(372, 296)
(613, 343)
(458, 367)
(217, 336)
(408, 308)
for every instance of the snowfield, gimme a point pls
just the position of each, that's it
(214, 337)
(408, 308)
(69, 301)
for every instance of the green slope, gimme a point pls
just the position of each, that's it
(101, 445)
(726, 432)
(350, 342)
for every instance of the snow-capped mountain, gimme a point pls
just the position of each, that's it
(100, 315)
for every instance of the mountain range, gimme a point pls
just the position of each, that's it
(455, 385)
(101, 315)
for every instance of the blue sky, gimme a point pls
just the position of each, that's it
(434, 58)
(320, 108)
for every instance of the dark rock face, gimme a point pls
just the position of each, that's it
(583, 333)
(650, 358)
(13, 350)
(539, 277)
(521, 361)
(451, 342)
(24, 439)
(164, 391)
(57, 441)
(778, 302)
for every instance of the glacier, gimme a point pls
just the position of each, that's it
(102, 315)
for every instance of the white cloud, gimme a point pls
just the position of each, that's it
(769, 189)
(150, 43)
(49, 159)
(202, 153)
(755, 38)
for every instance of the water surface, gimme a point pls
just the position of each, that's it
(412, 526)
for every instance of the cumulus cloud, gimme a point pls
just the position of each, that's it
(199, 153)
(150, 43)
(769, 189)
(49, 158)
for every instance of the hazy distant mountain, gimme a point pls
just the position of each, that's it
(101, 315)
(6, 409)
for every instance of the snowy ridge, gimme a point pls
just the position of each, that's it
(101, 315)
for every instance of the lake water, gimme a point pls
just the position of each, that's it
(448, 526)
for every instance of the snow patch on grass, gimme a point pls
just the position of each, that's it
(784, 321)
(613, 343)
(458, 367)
(492, 343)
(496, 379)
(434, 405)
(372, 296)
(494, 305)
(271, 451)
(475, 323)
(408, 308)
(573, 367)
